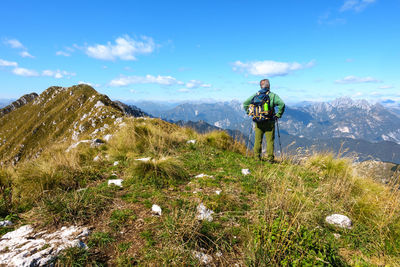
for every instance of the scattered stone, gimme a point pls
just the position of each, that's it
(218, 192)
(107, 137)
(218, 254)
(97, 158)
(144, 159)
(5, 223)
(202, 175)
(204, 213)
(191, 142)
(339, 220)
(116, 163)
(117, 182)
(99, 104)
(77, 144)
(156, 210)
(81, 189)
(202, 257)
(245, 172)
(97, 142)
(23, 247)
(337, 236)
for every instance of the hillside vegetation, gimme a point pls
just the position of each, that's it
(57, 115)
(274, 216)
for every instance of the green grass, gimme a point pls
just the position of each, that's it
(273, 217)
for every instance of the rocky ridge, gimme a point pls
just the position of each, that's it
(23, 100)
(58, 114)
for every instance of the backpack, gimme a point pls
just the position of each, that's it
(260, 107)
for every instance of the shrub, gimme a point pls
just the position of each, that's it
(222, 140)
(160, 173)
(151, 137)
(5, 193)
(279, 242)
(76, 206)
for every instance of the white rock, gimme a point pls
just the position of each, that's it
(97, 158)
(107, 137)
(204, 213)
(116, 163)
(77, 144)
(218, 192)
(155, 209)
(337, 236)
(339, 220)
(23, 248)
(117, 182)
(245, 172)
(5, 223)
(144, 159)
(202, 175)
(203, 258)
(99, 104)
(191, 142)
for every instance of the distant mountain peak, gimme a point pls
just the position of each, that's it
(23, 100)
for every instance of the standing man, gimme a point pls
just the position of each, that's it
(261, 106)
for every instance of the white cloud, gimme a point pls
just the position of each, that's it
(356, 5)
(90, 84)
(14, 43)
(125, 48)
(327, 18)
(25, 72)
(355, 79)
(26, 54)
(269, 68)
(184, 90)
(386, 87)
(62, 53)
(5, 63)
(193, 84)
(127, 80)
(58, 74)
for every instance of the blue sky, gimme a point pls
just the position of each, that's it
(193, 50)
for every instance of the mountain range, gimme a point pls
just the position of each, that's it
(358, 127)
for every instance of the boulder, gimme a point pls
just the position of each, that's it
(245, 172)
(156, 210)
(339, 220)
(5, 223)
(117, 182)
(203, 213)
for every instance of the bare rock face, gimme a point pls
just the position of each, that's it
(18, 103)
(24, 247)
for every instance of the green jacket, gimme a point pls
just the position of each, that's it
(276, 101)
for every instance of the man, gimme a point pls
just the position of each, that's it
(267, 126)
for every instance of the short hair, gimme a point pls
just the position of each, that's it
(265, 82)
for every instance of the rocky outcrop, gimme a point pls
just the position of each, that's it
(25, 99)
(131, 110)
(24, 247)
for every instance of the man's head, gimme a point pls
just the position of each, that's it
(264, 84)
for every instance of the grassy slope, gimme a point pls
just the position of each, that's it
(50, 118)
(275, 216)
